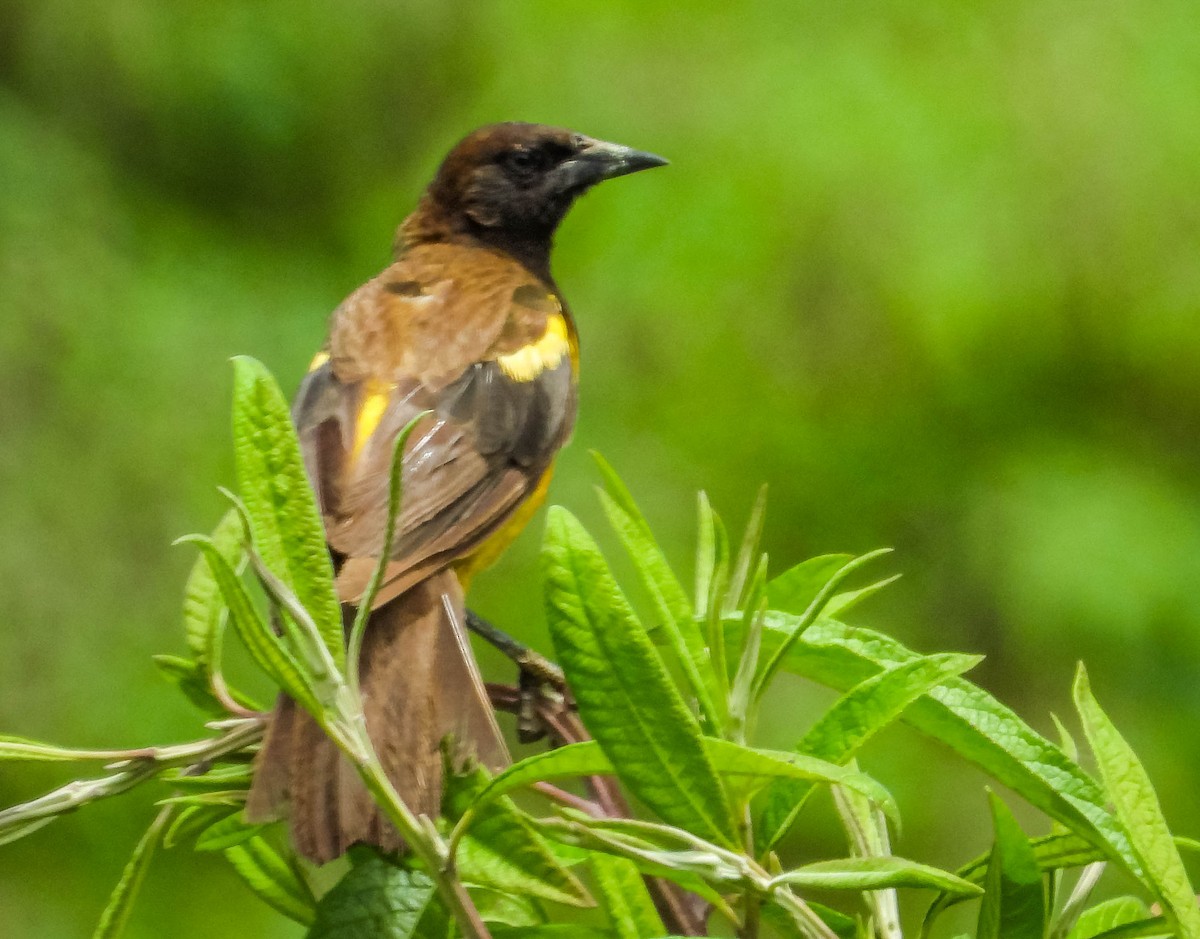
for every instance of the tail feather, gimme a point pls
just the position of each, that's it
(462, 691)
(419, 684)
(312, 789)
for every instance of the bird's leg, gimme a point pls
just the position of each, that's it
(527, 660)
(541, 685)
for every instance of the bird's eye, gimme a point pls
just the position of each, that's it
(525, 161)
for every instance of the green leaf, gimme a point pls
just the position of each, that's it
(784, 923)
(192, 819)
(846, 600)
(855, 718)
(120, 902)
(572, 931)
(1137, 807)
(1014, 900)
(192, 679)
(1106, 916)
(1065, 740)
(968, 720)
(707, 554)
(798, 625)
(867, 832)
(24, 750)
(376, 899)
(284, 521)
(221, 776)
(1154, 927)
(656, 850)
(204, 606)
(574, 759)
(625, 697)
(670, 602)
(506, 909)
(639, 541)
(273, 878)
(747, 556)
(227, 832)
(755, 763)
(300, 633)
(1052, 852)
(624, 896)
(503, 851)
(874, 873)
(794, 590)
(260, 641)
(15, 831)
(712, 574)
(742, 712)
(745, 767)
(231, 798)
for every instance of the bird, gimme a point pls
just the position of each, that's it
(469, 325)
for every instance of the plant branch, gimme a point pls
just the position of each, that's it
(719, 866)
(424, 842)
(135, 767)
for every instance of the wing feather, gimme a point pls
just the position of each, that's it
(489, 439)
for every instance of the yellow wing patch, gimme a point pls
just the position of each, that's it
(497, 543)
(318, 360)
(528, 362)
(376, 395)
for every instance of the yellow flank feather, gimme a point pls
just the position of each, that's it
(376, 395)
(318, 360)
(528, 362)
(495, 545)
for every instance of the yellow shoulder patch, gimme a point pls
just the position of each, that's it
(318, 360)
(528, 362)
(376, 395)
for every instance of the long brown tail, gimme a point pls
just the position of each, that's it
(419, 683)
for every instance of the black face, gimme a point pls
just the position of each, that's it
(526, 165)
(520, 188)
(522, 178)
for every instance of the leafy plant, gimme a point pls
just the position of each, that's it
(661, 709)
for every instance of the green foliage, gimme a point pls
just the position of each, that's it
(1014, 902)
(671, 606)
(858, 715)
(622, 689)
(273, 876)
(928, 269)
(625, 899)
(975, 725)
(671, 712)
(116, 913)
(502, 851)
(1137, 807)
(378, 899)
(281, 513)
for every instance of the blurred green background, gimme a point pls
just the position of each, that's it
(931, 271)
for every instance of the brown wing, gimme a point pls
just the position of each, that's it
(492, 360)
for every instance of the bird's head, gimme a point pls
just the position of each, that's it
(514, 182)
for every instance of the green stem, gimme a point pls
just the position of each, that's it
(808, 921)
(137, 766)
(432, 851)
(750, 920)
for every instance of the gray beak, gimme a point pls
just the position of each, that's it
(600, 160)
